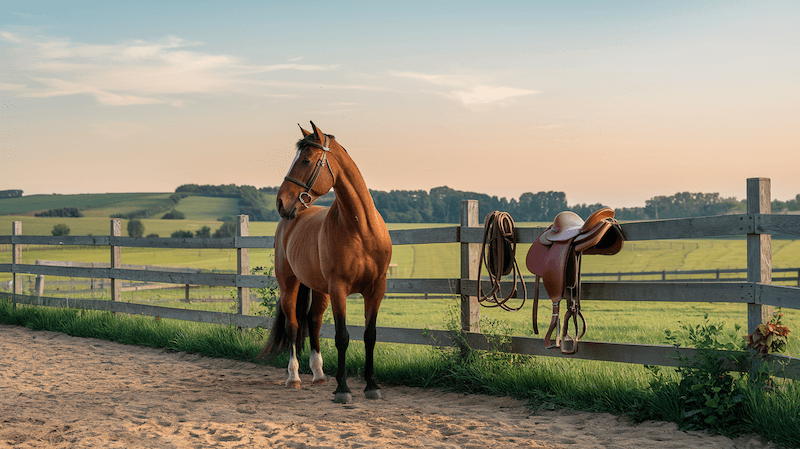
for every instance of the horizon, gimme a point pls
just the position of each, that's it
(633, 100)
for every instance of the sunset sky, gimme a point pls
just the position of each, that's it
(628, 99)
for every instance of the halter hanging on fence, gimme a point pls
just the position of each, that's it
(500, 239)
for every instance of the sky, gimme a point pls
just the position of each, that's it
(611, 102)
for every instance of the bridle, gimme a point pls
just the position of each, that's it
(321, 162)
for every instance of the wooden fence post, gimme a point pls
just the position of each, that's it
(243, 265)
(16, 257)
(470, 257)
(116, 259)
(759, 251)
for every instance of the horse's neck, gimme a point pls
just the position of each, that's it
(353, 201)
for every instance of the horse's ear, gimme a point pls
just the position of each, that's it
(319, 133)
(305, 133)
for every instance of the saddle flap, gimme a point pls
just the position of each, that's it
(552, 263)
(536, 257)
(610, 242)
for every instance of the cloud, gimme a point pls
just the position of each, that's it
(467, 89)
(134, 73)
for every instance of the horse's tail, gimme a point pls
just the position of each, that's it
(279, 341)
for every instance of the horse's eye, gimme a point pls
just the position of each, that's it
(306, 161)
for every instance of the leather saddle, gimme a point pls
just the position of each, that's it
(555, 256)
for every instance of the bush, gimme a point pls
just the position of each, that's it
(711, 396)
(135, 228)
(174, 215)
(63, 212)
(203, 233)
(228, 229)
(182, 234)
(152, 236)
(60, 230)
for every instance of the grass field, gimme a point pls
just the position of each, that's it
(639, 322)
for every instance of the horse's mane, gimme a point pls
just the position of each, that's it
(304, 142)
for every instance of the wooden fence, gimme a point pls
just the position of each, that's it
(756, 292)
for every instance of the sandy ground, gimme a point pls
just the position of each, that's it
(66, 392)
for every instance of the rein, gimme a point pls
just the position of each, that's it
(500, 240)
(321, 162)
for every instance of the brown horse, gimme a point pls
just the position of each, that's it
(325, 254)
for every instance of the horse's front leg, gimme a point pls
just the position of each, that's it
(319, 303)
(288, 307)
(372, 302)
(338, 299)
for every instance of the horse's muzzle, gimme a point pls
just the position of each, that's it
(289, 215)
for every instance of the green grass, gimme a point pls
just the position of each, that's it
(203, 208)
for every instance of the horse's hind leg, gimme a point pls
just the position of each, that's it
(372, 302)
(319, 303)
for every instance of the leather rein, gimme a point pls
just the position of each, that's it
(498, 254)
(321, 162)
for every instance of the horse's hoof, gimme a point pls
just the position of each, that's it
(342, 398)
(293, 384)
(322, 381)
(372, 394)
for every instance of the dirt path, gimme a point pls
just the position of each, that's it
(66, 392)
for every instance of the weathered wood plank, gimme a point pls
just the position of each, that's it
(254, 280)
(685, 228)
(529, 235)
(160, 242)
(82, 240)
(5, 267)
(778, 296)
(447, 234)
(778, 224)
(587, 350)
(266, 241)
(471, 234)
(445, 286)
(735, 292)
(394, 335)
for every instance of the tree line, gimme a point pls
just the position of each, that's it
(442, 205)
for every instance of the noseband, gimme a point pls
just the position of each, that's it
(308, 185)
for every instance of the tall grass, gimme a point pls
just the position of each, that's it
(638, 392)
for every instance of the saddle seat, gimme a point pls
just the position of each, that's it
(555, 256)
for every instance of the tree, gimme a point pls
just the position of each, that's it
(182, 234)
(135, 228)
(228, 229)
(60, 230)
(203, 233)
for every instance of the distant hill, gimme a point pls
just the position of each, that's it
(105, 205)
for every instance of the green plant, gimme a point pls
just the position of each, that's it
(710, 395)
(60, 230)
(770, 337)
(269, 294)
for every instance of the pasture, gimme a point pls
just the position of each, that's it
(613, 321)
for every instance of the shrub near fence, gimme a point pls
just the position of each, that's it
(757, 292)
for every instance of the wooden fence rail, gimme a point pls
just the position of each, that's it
(756, 291)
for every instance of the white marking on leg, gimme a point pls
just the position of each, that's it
(294, 370)
(315, 361)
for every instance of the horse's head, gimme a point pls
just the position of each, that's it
(310, 175)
